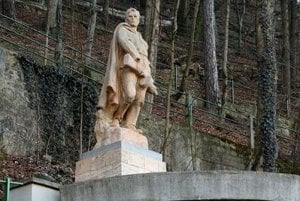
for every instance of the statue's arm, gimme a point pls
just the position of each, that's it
(125, 42)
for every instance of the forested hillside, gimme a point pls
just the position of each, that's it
(224, 68)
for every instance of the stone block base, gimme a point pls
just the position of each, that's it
(116, 134)
(118, 158)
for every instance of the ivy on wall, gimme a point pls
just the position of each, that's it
(65, 104)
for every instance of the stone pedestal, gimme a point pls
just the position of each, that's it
(191, 185)
(120, 152)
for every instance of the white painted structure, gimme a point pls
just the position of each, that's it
(36, 190)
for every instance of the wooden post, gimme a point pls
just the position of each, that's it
(251, 131)
(176, 77)
(190, 110)
(189, 107)
(232, 91)
(288, 109)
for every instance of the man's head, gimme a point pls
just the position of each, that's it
(132, 17)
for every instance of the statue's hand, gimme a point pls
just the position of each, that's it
(153, 89)
(147, 82)
(139, 69)
(142, 74)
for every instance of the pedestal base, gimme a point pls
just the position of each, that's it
(191, 185)
(116, 134)
(127, 154)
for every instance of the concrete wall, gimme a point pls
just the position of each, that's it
(211, 153)
(214, 185)
(44, 193)
(36, 190)
(23, 193)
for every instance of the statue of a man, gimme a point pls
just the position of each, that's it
(127, 78)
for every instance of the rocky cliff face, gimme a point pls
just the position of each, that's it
(18, 123)
(65, 104)
(43, 109)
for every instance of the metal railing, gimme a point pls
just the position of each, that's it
(7, 185)
(32, 45)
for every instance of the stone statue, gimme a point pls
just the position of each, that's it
(127, 79)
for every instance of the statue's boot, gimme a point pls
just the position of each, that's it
(118, 115)
(131, 117)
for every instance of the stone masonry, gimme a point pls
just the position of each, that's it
(121, 152)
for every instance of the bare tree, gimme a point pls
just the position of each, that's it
(293, 38)
(59, 30)
(182, 87)
(51, 20)
(167, 123)
(54, 22)
(267, 149)
(151, 34)
(183, 17)
(240, 13)
(286, 54)
(210, 59)
(148, 20)
(296, 151)
(91, 31)
(106, 12)
(224, 65)
(256, 154)
(199, 27)
(8, 8)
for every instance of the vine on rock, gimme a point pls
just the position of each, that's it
(56, 94)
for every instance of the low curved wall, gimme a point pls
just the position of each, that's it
(208, 185)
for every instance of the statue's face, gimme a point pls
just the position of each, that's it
(133, 18)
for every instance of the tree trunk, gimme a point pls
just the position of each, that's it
(8, 8)
(259, 36)
(106, 12)
(240, 16)
(182, 88)
(293, 39)
(148, 18)
(152, 37)
(210, 59)
(199, 27)
(137, 4)
(90, 33)
(153, 43)
(51, 20)
(256, 155)
(72, 25)
(296, 151)
(167, 123)
(59, 30)
(286, 54)
(268, 86)
(182, 17)
(224, 66)
(191, 43)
